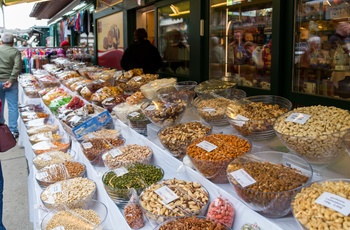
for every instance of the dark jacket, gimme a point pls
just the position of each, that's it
(141, 54)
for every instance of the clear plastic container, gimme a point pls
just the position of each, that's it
(267, 181)
(196, 222)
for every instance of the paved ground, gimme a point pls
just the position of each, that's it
(15, 172)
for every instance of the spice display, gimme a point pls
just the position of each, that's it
(221, 211)
(313, 215)
(192, 199)
(126, 155)
(212, 164)
(192, 223)
(319, 139)
(176, 138)
(74, 219)
(49, 158)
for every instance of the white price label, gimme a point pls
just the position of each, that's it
(335, 202)
(55, 188)
(137, 78)
(207, 146)
(134, 114)
(166, 194)
(115, 152)
(87, 145)
(243, 178)
(58, 228)
(121, 171)
(299, 118)
(208, 109)
(240, 120)
(151, 107)
(46, 157)
(41, 175)
(75, 119)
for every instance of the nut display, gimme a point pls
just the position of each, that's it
(192, 199)
(126, 155)
(164, 114)
(212, 164)
(212, 109)
(192, 222)
(138, 122)
(71, 193)
(221, 211)
(136, 82)
(319, 139)
(254, 117)
(176, 138)
(149, 90)
(103, 133)
(313, 215)
(49, 158)
(134, 216)
(271, 185)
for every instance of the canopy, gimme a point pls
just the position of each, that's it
(13, 2)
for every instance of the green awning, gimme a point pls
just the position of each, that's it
(14, 2)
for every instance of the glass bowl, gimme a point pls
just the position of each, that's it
(58, 172)
(118, 183)
(163, 114)
(320, 139)
(346, 140)
(176, 138)
(51, 145)
(138, 122)
(197, 222)
(127, 155)
(253, 117)
(267, 181)
(214, 86)
(91, 216)
(53, 157)
(94, 148)
(194, 204)
(71, 193)
(149, 90)
(305, 207)
(211, 154)
(211, 108)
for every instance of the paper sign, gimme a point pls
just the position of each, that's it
(120, 171)
(137, 78)
(55, 188)
(166, 194)
(134, 114)
(41, 175)
(75, 119)
(87, 145)
(335, 202)
(151, 107)
(207, 146)
(243, 178)
(46, 158)
(299, 118)
(115, 152)
(239, 120)
(208, 109)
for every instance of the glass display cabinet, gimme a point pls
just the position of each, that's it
(240, 47)
(322, 48)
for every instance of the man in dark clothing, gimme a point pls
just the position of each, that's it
(141, 54)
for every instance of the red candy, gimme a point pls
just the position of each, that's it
(221, 211)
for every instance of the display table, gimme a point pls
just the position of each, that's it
(173, 168)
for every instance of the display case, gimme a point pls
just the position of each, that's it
(321, 48)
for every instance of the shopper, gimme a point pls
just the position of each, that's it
(341, 33)
(10, 68)
(217, 53)
(312, 55)
(141, 54)
(61, 52)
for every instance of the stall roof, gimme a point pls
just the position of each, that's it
(48, 9)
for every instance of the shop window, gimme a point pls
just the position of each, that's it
(240, 44)
(173, 40)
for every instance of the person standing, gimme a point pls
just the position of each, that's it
(141, 54)
(2, 227)
(10, 68)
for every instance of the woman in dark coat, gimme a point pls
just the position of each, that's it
(141, 54)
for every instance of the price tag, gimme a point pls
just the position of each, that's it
(55, 188)
(115, 152)
(75, 119)
(41, 175)
(46, 157)
(289, 164)
(243, 178)
(87, 145)
(58, 228)
(207, 146)
(134, 114)
(166, 194)
(138, 78)
(299, 118)
(208, 109)
(240, 120)
(151, 107)
(335, 202)
(120, 171)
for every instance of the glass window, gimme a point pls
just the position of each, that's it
(321, 48)
(241, 41)
(173, 42)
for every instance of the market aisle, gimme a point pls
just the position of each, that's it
(15, 172)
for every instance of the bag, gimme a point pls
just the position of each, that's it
(7, 141)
